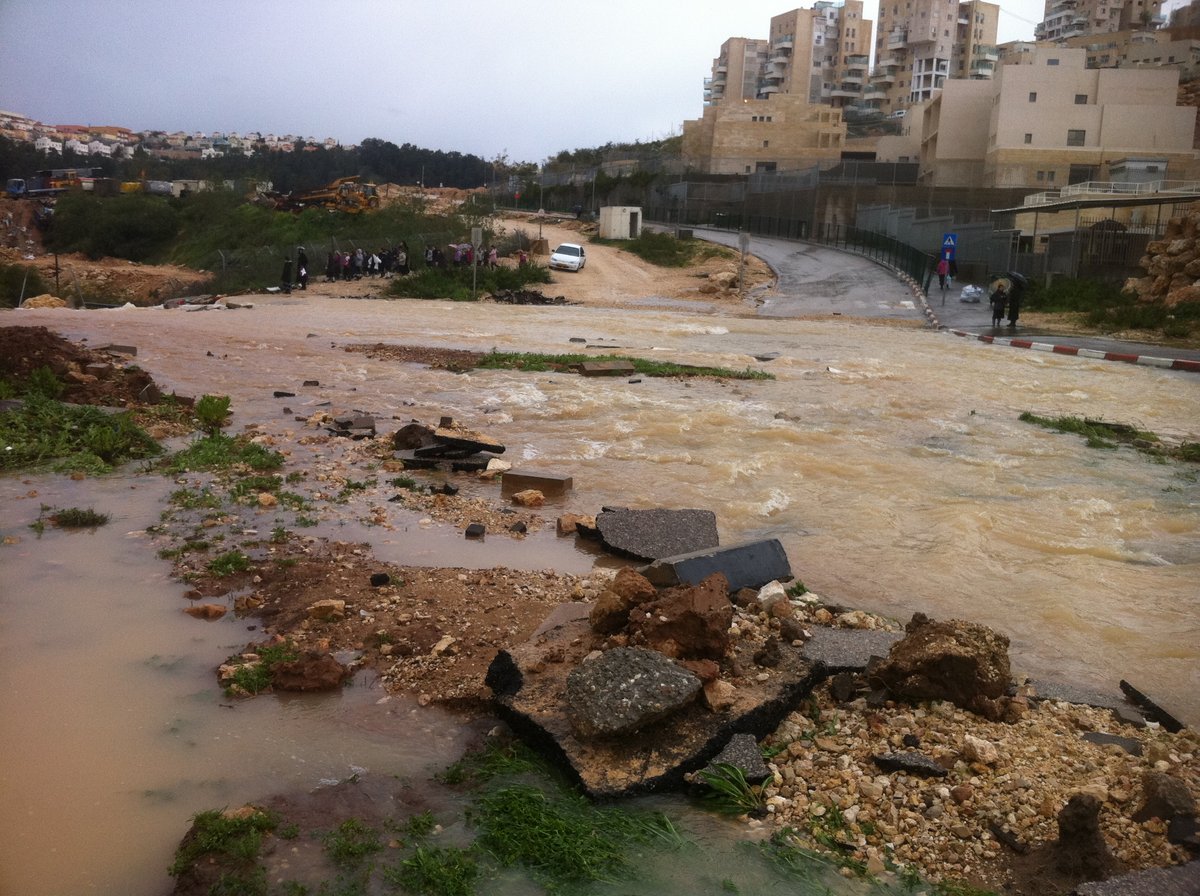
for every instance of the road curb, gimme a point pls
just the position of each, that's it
(1094, 354)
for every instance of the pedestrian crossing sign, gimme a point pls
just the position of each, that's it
(949, 244)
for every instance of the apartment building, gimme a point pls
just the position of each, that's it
(736, 70)
(1065, 19)
(919, 44)
(784, 132)
(1055, 122)
(822, 54)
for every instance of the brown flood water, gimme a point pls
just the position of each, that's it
(890, 463)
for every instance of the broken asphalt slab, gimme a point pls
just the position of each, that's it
(751, 564)
(657, 532)
(529, 682)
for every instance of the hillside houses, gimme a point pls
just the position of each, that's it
(111, 141)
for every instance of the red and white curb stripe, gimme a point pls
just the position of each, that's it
(1096, 354)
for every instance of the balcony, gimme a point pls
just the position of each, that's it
(897, 39)
(720, 69)
(846, 90)
(768, 89)
(853, 77)
(889, 61)
(981, 68)
(884, 77)
(784, 43)
(858, 60)
(779, 60)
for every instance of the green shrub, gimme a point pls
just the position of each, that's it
(20, 281)
(133, 226)
(455, 282)
(213, 412)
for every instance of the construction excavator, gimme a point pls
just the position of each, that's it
(346, 194)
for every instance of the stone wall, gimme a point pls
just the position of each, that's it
(1172, 263)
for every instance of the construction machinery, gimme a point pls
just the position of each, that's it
(346, 194)
(49, 182)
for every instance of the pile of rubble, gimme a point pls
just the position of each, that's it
(1172, 263)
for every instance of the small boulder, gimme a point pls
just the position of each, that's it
(962, 662)
(687, 621)
(207, 612)
(328, 610)
(530, 497)
(1080, 850)
(312, 671)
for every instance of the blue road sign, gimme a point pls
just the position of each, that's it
(949, 245)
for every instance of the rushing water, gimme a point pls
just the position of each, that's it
(890, 463)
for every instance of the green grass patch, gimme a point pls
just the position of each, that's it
(255, 677)
(1098, 433)
(499, 758)
(436, 871)
(229, 563)
(455, 282)
(407, 483)
(729, 791)
(194, 499)
(44, 434)
(535, 362)
(253, 485)
(69, 518)
(561, 839)
(351, 842)
(214, 833)
(666, 251)
(222, 452)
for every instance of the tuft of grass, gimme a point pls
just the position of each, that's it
(535, 362)
(229, 563)
(70, 518)
(1101, 434)
(436, 871)
(562, 839)
(665, 250)
(406, 482)
(255, 677)
(191, 499)
(216, 833)
(222, 452)
(351, 842)
(44, 434)
(499, 758)
(729, 791)
(212, 411)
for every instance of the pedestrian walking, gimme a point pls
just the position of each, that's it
(943, 268)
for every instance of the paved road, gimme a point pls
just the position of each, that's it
(815, 279)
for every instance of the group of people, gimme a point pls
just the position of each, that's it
(364, 263)
(385, 262)
(1005, 296)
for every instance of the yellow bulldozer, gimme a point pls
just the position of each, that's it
(346, 194)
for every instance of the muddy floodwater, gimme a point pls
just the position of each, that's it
(889, 462)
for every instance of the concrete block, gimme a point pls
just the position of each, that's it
(747, 565)
(547, 482)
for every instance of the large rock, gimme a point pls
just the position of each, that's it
(658, 532)
(626, 690)
(687, 622)
(628, 589)
(1080, 850)
(312, 671)
(962, 662)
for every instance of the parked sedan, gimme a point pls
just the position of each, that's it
(568, 257)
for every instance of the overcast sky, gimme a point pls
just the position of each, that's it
(528, 78)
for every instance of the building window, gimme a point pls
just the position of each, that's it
(1033, 96)
(769, 118)
(1041, 175)
(1029, 138)
(766, 143)
(1050, 176)
(1051, 62)
(1076, 137)
(1081, 99)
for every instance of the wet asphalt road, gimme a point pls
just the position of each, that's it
(815, 279)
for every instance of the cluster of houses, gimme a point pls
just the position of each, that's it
(110, 141)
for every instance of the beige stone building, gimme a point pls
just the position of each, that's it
(1055, 122)
(919, 44)
(784, 132)
(736, 71)
(1064, 19)
(822, 54)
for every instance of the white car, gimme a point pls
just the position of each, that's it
(568, 257)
